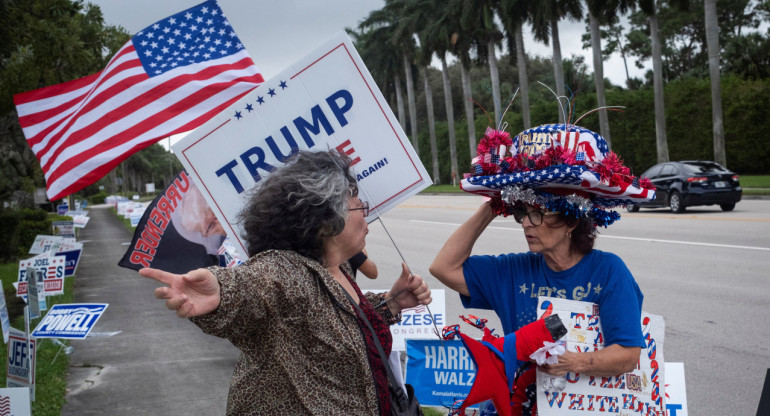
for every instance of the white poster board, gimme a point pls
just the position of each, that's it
(15, 400)
(639, 392)
(417, 322)
(676, 393)
(45, 243)
(326, 100)
(5, 320)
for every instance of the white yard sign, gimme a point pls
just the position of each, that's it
(639, 392)
(417, 322)
(326, 100)
(15, 401)
(21, 359)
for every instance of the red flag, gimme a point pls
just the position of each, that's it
(169, 78)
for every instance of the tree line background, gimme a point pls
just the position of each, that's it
(482, 57)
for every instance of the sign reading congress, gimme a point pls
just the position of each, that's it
(325, 101)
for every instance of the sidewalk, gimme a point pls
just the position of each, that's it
(159, 364)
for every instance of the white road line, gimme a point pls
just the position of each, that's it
(649, 240)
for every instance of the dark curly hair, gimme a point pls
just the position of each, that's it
(300, 204)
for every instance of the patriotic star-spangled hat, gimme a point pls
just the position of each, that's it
(558, 167)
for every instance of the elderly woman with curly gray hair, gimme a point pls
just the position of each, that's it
(305, 350)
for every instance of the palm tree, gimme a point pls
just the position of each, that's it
(469, 34)
(423, 60)
(411, 15)
(513, 14)
(545, 19)
(712, 41)
(435, 37)
(599, 12)
(391, 15)
(650, 9)
(382, 58)
(595, 9)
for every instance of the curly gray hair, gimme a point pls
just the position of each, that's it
(300, 204)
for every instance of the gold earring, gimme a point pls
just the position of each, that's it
(569, 235)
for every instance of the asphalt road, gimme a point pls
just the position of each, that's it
(705, 271)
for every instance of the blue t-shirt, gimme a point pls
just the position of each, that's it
(510, 284)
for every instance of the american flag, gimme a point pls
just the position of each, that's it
(169, 78)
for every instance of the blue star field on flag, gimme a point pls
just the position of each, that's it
(198, 34)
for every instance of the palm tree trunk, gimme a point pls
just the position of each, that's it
(431, 126)
(521, 64)
(399, 100)
(412, 103)
(712, 41)
(558, 66)
(657, 76)
(468, 101)
(494, 78)
(596, 44)
(450, 117)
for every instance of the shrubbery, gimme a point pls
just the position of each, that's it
(20, 227)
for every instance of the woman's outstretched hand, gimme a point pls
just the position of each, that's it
(191, 294)
(408, 291)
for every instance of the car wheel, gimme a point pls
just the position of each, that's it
(675, 202)
(632, 208)
(728, 206)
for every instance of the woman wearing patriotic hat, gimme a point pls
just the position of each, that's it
(560, 182)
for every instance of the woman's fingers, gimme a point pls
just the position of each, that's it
(176, 302)
(157, 274)
(161, 293)
(185, 311)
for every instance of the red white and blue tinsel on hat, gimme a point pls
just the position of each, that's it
(557, 167)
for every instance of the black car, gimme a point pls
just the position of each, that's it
(691, 182)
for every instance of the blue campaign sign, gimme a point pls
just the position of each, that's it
(440, 373)
(73, 320)
(62, 209)
(72, 257)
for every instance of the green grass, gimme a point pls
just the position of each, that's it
(755, 181)
(50, 375)
(442, 189)
(429, 411)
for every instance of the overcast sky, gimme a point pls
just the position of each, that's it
(277, 33)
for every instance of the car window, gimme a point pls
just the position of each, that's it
(668, 170)
(652, 172)
(703, 167)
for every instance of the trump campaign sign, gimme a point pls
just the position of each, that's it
(73, 320)
(327, 100)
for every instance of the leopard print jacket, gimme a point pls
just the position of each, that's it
(302, 350)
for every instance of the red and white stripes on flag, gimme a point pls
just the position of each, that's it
(169, 78)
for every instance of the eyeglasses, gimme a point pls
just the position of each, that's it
(535, 217)
(364, 207)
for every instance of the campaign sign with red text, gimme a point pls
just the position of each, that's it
(639, 392)
(21, 360)
(327, 100)
(50, 271)
(72, 320)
